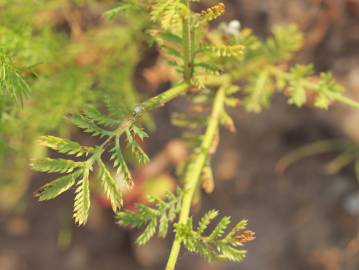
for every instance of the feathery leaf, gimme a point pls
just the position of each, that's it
(56, 165)
(65, 146)
(110, 187)
(82, 199)
(120, 163)
(56, 187)
(89, 126)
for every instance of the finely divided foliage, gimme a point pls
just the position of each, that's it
(210, 62)
(153, 218)
(78, 172)
(12, 83)
(216, 245)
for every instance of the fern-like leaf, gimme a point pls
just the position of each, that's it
(206, 220)
(215, 246)
(286, 40)
(110, 187)
(220, 228)
(168, 13)
(223, 50)
(154, 219)
(328, 90)
(65, 146)
(56, 187)
(119, 112)
(11, 82)
(212, 13)
(136, 148)
(259, 92)
(99, 118)
(56, 165)
(127, 6)
(82, 199)
(89, 126)
(120, 163)
(163, 226)
(297, 84)
(148, 233)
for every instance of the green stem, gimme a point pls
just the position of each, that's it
(319, 147)
(161, 99)
(340, 162)
(345, 100)
(140, 109)
(193, 173)
(187, 44)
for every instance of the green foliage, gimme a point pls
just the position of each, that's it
(65, 146)
(110, 187)
(328, 90)
(11, 81)
(212, 13)
(82, 197)
(154, 219)
(168, 14)
(56, 165)
(132, 144)
(300, 80)
(223, 50)
(127, 6)
(120, 164)
(67, 66)
(76, 172)
(206, 220)
(286, 40)
(80, 170)
(72, 71)
(215, 245)
(263, 72)
(259, 91)
(194, 123)
(297, 88)
(89, 125)
(56, 187)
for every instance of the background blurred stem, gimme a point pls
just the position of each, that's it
(188, 49)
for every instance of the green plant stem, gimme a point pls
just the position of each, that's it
(140, 109)
(193, 173)
(340, 162)
(188, 38)
(319, 147)
(346, 100)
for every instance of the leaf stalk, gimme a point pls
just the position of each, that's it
(193, 173)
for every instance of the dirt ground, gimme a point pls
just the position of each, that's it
(301, 218)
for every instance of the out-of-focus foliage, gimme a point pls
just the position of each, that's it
(55, 57)
(264, 69)
(71, 59)
(348, 154)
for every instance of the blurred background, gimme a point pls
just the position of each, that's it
(304, 218)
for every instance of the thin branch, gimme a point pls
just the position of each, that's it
(193, 173)
(140, 109)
